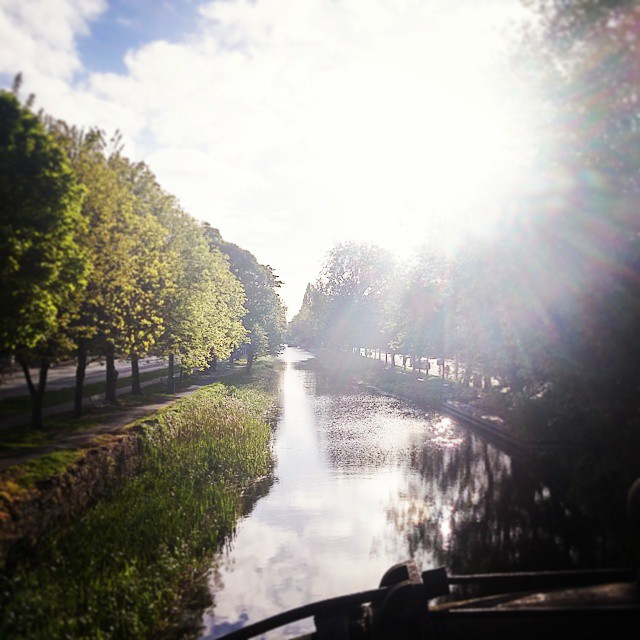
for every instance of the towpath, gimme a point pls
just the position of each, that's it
(115, 419)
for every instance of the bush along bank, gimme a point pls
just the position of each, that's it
(123, 569)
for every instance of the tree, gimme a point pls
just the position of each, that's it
(42, 265)
(355, 280)
(204, 309)
(584, 61)
(304, 328)
(132, 296)
(265, 321)
(122, 309)
(582, 228)
(582, 231)
(416, 309)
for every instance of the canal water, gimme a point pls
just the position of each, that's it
(362, 482)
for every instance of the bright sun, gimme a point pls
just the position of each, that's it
(477, 154)
(432, 147)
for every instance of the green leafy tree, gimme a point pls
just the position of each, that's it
(204, 309)
(549, 305)
(582, 59)
(42, 266)
(122, 310)
(418, 308)
(265, 321)
(304, 328)
(581, 233)
(130, 317)
(355, 281)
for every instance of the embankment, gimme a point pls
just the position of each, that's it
(424, 391)
(420, 389)
(116, 541)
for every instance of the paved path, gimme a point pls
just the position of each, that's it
(114, 422)
(87, 402)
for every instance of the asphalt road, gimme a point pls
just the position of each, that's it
(62, 376)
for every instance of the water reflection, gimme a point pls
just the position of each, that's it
(362, 482)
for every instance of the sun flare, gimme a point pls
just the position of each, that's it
(418, 152)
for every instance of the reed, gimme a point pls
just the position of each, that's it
(123, 569)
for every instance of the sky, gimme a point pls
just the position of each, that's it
(292, 125)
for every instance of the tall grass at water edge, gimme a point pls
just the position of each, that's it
(123, 569)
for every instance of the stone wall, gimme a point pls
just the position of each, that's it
(55, 502)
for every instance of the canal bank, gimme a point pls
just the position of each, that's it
(120, 537)
(469, 405)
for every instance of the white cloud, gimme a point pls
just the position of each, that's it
(38, 36)
(290, 125)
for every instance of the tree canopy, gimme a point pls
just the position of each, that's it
(544, 311)
(98, 261)
(42, 263)
(265, 321)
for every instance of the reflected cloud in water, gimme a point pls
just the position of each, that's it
(362, 482)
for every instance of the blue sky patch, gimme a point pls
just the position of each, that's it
(128, 25)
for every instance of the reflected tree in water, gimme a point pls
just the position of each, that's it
(472, 508)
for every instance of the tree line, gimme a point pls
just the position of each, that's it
(97, 260)
(544, 312)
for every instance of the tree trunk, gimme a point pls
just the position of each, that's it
(171, 381)
(136, 389)
(36, 392)
(81, 369)
(112, 378)
(214, 363)
(250, 359)
(515, 381)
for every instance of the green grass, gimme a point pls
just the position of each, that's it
(21, 437)
(45, 466)
(122, 570)
(22, 404)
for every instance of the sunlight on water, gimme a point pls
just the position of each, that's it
(361, 482)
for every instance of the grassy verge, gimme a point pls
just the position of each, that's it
(23, 437)
(22, 404)
(424, 390)
(18, 440)
(123, 569)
